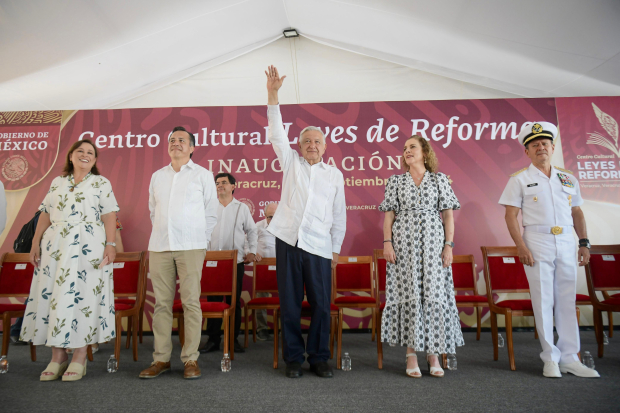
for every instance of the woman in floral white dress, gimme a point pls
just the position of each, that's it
(71, 302)
(420, 309)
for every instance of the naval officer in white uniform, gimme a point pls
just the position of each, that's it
(549, 199)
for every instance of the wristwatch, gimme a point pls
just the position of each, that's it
(584, 242)
(449, 243)
(111, 243)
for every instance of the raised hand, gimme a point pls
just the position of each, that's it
(274, 81)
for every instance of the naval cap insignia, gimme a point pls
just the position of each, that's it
(536, 128)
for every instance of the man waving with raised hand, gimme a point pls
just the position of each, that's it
(309, 226)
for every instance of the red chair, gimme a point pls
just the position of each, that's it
(264, 280)
(464, 275)
(504, 273)
(380, 265)
(353, 274)
(130, 269)
(219, 277)
(15, 279)
(603, 274)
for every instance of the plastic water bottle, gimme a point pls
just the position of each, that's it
(112, 364)
(451, 361)
(500, 340)
(226, 365)
(4, 365)
(587, 360)
(346, 362)
(605, 339)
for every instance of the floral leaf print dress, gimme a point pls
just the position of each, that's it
(420, 309)
(71, 300)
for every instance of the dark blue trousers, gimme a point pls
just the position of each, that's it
(295, 269)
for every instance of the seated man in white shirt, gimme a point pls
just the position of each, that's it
(309, 227)
(234, 223)
(183, 208)
(266, 249)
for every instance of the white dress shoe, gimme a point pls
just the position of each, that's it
(578, 369)
(551, 369)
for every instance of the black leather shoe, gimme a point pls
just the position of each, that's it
(294, 371)
(209, 347)
(238, 347)
(322, 369)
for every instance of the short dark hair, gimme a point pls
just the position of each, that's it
(231, 179)
(192, 139)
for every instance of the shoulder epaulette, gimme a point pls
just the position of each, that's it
(518, 172)
(563, 170)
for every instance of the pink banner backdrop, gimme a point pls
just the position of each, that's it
(589, 131)
(475, 141)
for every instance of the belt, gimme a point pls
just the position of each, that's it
(549, 230)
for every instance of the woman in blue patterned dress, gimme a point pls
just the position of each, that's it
(420, 309)
(71, 302)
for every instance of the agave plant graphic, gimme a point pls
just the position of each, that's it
(611, 126)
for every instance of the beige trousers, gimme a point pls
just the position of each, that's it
(164, 267)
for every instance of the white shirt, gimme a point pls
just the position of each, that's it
(183, 208)
(543, 201)
(228, 235)
(3, 208)
(266, 241)
(312, 210)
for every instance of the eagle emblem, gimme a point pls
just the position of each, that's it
(536, 128)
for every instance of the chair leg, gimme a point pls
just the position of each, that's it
(444, 361)
(276, 337)
(89, 352)
(182, 330)
(511, 354)
(339, 344)
(478, 323)
(332, 330)
(598, 328)
(493, 317)
(140, 323)
(610, 316)
(373, 319)
(246, 327)
(254, 326)
(33, 352)
(129, 328)
(231, 329)
(134, 319)
(6, 332)
(379, 344)
(117, 342)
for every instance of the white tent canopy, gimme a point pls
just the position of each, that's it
(72, 54)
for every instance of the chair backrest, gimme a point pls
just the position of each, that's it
(603, 270)
(464, 273)
(354, 274)
(16, 273)
(129, 274)
(219, 274)
(265, 277)
(503, 272)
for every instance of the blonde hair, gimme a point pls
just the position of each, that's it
(430, 159)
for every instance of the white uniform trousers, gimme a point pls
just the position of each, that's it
(553, 288)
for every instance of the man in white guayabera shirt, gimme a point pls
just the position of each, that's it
(234, 224)
(266, 249)
(309, 227)
(183, 205)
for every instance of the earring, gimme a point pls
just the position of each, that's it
(424, 160)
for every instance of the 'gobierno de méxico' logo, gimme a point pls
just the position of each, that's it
(611, 127)
(14, 168)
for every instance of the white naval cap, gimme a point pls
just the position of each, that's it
(531, 131)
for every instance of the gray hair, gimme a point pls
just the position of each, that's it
(309, 128)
